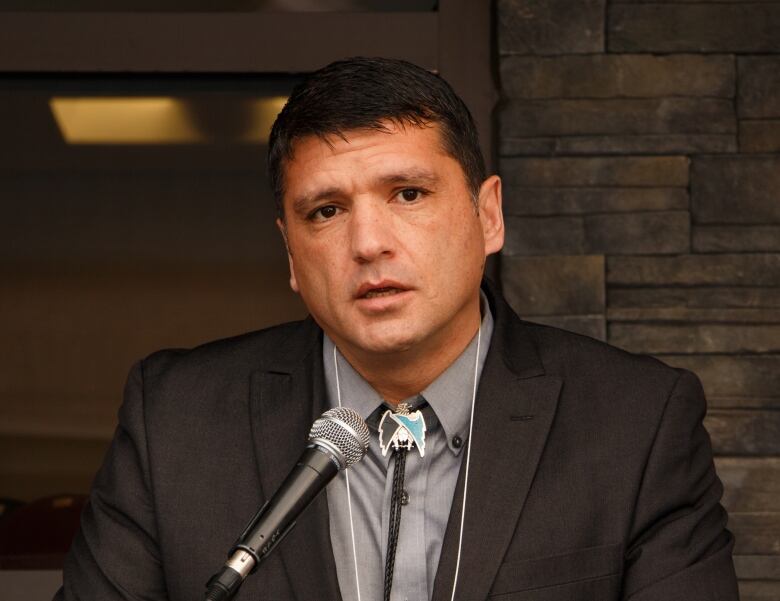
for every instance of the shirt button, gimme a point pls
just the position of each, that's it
(404, 497)
(457, 442)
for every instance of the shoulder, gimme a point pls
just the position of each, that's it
(176, 396)
(569, 355)
(231, 359)
(625, 396)
(581, 362)
(596, 376)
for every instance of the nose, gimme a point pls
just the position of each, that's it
(371, 232)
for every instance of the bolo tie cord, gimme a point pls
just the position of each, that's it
(395, 517)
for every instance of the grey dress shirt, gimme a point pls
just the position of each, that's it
(429, 481)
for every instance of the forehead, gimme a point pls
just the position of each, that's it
(359, 144)
(359, 155)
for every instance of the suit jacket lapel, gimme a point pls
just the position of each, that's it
(514, 410)
(287, 395)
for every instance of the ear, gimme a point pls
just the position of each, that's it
(491, 214)
(283, 231)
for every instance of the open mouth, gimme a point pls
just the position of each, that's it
(380, 292)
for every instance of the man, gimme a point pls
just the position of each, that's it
(549, 466)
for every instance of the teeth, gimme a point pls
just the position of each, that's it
(381, 292)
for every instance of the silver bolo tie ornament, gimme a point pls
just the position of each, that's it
(402, 429)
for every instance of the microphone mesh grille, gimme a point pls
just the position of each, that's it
(343, 428)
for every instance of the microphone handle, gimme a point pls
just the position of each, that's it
(316, 467)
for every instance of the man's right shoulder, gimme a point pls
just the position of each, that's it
(235, 356)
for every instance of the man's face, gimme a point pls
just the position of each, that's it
(386, 247)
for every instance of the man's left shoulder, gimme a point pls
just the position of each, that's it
(600, 373)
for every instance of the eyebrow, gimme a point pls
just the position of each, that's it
(414, 176)
(419, 177)
(304, 201)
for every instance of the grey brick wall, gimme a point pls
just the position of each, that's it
(639, 143)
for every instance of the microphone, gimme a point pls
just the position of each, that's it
(338, 439)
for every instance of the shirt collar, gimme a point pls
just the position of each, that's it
(449, 395)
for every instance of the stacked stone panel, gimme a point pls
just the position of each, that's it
(759, 103)
(639, 147)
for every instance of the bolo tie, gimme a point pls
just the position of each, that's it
(401, 430)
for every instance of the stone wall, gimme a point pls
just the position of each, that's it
(639, 144)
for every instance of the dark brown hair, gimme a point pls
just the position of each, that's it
(366, 93)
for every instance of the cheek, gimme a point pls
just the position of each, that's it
(463, 238)
(454, 258)
(320, 273)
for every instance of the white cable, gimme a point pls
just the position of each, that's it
(468, 460)
(349, 495)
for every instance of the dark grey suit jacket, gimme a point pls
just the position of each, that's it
(591, 476)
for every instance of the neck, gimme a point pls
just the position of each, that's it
(400, 375)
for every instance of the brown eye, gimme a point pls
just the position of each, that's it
(410, 194)
(327, 212)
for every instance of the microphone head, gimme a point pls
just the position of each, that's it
(343, 432)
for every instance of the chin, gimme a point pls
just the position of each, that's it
(387, 347)
(387, 344)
